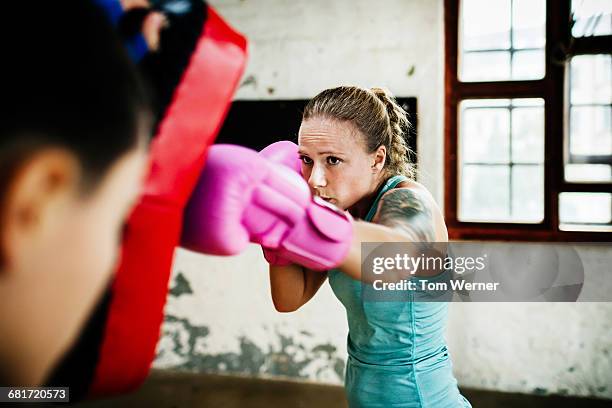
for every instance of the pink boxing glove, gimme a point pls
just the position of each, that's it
(242, 197)
(285, 153)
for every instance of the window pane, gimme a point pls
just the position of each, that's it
(496, 186)
(484, 193)
(588, 173)
(529, 24)
(591, 17)
(590, 131)
(527, 193)
(495, 32)
(585, 208)
(486, 24)
(528, 65)
(484, 135)
(485, 66)
(591, 79)
(528, 135)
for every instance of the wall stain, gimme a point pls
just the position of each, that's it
(339, 367)
(250, 80)
(330, 349)
(290, 359)
(540, 391)
(181, 286)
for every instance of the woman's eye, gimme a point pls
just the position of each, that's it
(333, 160)
(305, 160)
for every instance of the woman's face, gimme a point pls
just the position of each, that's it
(60, 250)
(335, 161)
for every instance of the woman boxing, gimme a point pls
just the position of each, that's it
(354, 157)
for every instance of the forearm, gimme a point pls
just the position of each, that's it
(367, 232)
(293, 286)
(403, 215)
(287, 285)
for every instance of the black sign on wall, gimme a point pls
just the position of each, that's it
(256, 124)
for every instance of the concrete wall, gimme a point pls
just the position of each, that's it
(219, 316)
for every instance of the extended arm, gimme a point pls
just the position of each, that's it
(403, 215)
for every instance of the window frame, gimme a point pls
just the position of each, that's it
(553, 89)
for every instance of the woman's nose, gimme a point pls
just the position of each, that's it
(317, 177)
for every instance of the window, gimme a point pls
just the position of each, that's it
(501, 160)
(528, 119)
(502, 40)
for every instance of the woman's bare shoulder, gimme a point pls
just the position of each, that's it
(415, 188)
(415, 202)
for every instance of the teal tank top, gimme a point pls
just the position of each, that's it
(397, 354)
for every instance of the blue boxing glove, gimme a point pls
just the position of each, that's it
(125, 20)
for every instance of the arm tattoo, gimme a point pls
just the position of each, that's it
(406, 210)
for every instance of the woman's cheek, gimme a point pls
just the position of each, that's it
(114, 249)
(105, 238)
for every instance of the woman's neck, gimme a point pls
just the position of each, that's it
(360, 209)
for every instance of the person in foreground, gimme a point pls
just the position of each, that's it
(75, 125)
(310, 207)
(90, 212)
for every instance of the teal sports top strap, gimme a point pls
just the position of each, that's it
(389, 184)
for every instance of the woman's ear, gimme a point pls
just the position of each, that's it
(380, 157)
(36, 196)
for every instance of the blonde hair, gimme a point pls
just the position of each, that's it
(376, 114)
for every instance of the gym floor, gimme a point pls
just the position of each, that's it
(167, 389)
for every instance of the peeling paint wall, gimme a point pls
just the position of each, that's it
(220, 317)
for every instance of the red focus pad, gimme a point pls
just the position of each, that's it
(139, 290)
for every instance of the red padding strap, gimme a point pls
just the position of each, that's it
(139, 290)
